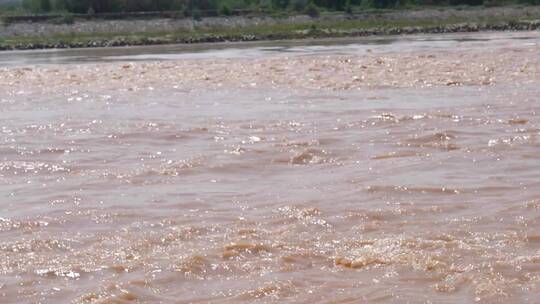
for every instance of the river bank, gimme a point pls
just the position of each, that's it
(109, 33)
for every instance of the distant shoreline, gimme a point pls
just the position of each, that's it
(116, 33)
(129, 41)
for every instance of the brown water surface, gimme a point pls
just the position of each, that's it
(403, 176)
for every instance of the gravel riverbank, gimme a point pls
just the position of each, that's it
(106, 33)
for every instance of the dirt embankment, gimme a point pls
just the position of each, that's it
(20, 35)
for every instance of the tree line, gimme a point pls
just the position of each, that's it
(225, 7)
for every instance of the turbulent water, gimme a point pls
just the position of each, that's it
(263, 180)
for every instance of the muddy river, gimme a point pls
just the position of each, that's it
(396, 170)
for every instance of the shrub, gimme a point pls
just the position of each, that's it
(64, 19)
(348, 7)
(385, 3)
(186, 12)
(299, 5)
(312, 10)
(31, 5)
(466, 2)
(196, 14)
(45, 5)
(225, 10)
(178, 15)
(280, 3)
(338, 5)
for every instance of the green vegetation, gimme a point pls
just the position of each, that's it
(11, 8)
(373, 20)
(312, 10)
(230, 7)
(315, 29)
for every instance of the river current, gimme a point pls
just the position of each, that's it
(403, 172)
